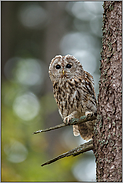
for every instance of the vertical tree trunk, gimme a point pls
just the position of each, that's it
(54, 33)
(108, 130)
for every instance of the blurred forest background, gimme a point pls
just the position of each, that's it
(32, 34)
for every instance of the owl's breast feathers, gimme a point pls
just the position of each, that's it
(75, 94)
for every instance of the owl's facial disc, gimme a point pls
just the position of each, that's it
(64, 67)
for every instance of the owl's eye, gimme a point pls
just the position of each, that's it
(58, 66)
(68, 66)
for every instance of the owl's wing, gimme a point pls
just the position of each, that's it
(90, 83)
(75, 130)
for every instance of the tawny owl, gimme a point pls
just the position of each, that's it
(74, 92)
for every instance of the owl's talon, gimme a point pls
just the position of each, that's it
(89, 114)
(67, 120)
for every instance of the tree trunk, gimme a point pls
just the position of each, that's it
(108, 129)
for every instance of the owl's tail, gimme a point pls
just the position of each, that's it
(76, 130)
(84, 129)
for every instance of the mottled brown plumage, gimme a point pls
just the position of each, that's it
(74, 92)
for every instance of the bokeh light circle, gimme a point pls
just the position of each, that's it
(16, 152)
(26, 106)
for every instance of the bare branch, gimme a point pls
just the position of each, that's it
(74, 152)
(51, 128)
(74, 121)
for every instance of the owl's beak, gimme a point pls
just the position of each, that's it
(63, 71)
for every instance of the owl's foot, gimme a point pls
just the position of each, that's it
(89, 114)
(67, 119)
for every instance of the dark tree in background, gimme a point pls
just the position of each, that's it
(108, 130)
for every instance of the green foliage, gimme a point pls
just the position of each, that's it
(15, 131)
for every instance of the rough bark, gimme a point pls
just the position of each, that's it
(108, 130)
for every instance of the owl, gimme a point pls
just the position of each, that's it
(74, 92)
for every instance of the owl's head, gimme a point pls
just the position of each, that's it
(64, 67)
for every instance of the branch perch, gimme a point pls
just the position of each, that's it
(74, 152)
(74, 121)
